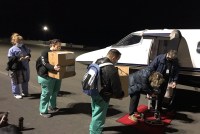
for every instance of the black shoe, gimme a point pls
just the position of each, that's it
(53, 109)
(25, 95)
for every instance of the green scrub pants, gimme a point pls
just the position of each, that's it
(50, 88)
(99, 111)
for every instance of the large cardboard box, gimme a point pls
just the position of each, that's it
(64, 59)
(61, 58)
(124, 78)
(65, 72)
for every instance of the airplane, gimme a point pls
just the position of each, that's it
(139, 48)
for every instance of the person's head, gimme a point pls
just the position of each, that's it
(114, 55)
(17, 40)
(171, 55)
(156, 79)
(13, 38)
(55, 44)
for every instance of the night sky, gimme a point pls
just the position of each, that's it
(97, 22)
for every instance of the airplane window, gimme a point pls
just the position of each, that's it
(129, 40)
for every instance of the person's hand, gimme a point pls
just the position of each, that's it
(27, 57)
(153, 95)
(148, 96)
(57, 68)
(172, 85)
(21, 58)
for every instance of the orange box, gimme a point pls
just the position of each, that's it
(123, 72)
(61, 58)
(65, 72)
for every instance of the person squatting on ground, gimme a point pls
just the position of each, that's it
(18, 59)
(167, 64)
(142, 81)
(49, 86)
(111, 89)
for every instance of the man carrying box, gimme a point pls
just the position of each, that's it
(50, 86)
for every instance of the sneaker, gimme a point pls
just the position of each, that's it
(18, 96)
(53, 109)
(46, 115)
(133, 118)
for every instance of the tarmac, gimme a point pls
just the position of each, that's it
(75, 112)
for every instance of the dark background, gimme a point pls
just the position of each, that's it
(94, 23)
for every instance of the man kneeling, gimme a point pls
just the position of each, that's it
(142, 81)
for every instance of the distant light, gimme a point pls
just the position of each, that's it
(45, 28)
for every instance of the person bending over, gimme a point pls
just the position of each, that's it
(142, 81)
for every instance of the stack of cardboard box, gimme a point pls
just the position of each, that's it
(66, 61)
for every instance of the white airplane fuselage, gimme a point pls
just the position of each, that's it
(139, 48)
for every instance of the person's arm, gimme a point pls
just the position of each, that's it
(175, 70)
(154, 64)
(45, 61)
(174, 75)
(115, 83)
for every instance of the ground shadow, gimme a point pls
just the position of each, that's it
(63, 93)
(10, 129)
(34, 96)
(85, 108)
(27, 129)
(139, 128)
(122, 130)
(185, 101)
(178, 116)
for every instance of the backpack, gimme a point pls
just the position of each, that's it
(91, 82)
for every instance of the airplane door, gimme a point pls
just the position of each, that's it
(162, 42)
(154, 50)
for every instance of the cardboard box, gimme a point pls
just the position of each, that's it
(61, 58)
(64, 72)
(124, 78)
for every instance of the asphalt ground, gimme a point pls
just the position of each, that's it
(75, 112)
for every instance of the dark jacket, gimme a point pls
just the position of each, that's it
(14, 64)
(45, 65)
(110, 81)
(160, 63)
(139, 82)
